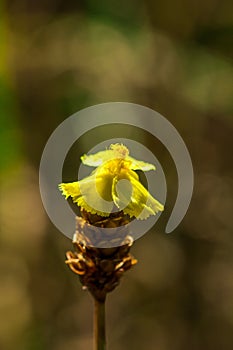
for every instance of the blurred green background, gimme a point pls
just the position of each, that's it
(57, 57)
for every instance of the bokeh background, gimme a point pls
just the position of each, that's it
(57, 57)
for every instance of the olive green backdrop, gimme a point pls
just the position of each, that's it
(58, 57)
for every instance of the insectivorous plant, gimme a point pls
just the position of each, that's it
(109, 198)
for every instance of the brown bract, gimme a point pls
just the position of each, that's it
(100, 269)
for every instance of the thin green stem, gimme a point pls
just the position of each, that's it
(99, 325)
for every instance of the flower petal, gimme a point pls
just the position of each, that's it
(140, 165)
(97, 158)
(121, 192)
(142, 204)
(93, 193)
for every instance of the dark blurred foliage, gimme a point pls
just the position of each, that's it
(58, 57)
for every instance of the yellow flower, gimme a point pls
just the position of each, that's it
(114, 184)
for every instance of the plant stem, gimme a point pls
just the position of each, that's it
(99, 325)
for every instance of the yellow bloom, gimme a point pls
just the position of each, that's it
(114, 183)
